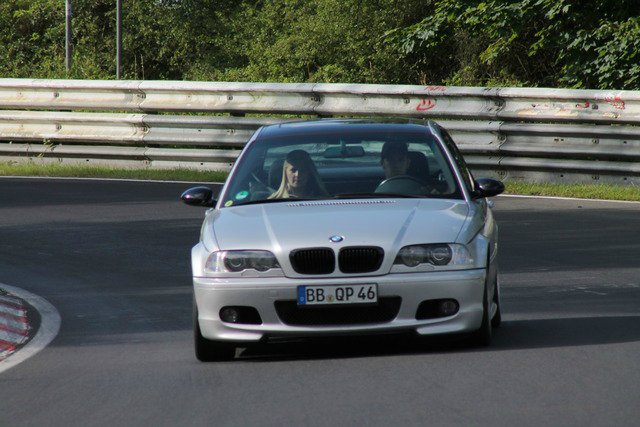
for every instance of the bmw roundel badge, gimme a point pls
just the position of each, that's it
(336, 239)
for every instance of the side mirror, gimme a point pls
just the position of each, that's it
(487, 187)
(199, 196)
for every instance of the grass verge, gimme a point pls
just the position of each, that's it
(583, 191)
(54, 170)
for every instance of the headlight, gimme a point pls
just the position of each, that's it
(440, 254)
(237, 261)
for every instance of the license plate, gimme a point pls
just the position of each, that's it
(342, 294)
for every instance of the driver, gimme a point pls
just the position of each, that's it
(394, 159)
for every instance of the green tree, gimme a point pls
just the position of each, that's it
(32, 38)
(528, 42)
(321, 41)
(473, 42)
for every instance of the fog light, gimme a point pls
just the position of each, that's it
(448, 307)
(230, 315)
(240, 314)
(437, 308)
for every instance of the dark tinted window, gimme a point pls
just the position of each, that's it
(339, 164)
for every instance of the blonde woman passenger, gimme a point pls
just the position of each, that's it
(300, 178)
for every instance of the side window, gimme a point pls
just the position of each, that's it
(457, 156)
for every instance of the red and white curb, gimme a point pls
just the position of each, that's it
(17, 339)
(14, 325)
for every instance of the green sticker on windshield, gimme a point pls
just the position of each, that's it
(228, 203)
(242, 195)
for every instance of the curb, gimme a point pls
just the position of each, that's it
(14, 324)
(17, 339)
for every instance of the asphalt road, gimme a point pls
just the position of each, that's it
(113, 258)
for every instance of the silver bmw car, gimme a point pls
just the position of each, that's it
(334, 227)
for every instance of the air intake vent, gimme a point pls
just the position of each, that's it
(313, 260)
(360, 259)
(385, 311)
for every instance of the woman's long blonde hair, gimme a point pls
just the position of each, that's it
(300, 159)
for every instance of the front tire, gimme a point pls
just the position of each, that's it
(497, 318)
(482, 337)
(208, 350)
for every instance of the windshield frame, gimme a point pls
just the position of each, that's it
(267, 136)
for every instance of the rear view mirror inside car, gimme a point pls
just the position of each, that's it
(344, 151)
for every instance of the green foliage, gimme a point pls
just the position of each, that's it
(320, 41)
(530, 42)
(31, 37)
(161, 38)
(604, 58)
(568, 43)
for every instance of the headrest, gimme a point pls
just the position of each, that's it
(275, 173)
(418, 165)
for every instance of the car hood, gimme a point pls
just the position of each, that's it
(388, 223)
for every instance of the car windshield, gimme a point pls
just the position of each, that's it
(358, 163)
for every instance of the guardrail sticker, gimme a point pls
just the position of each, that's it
(616, 101)
(436, 88)
(426, 104)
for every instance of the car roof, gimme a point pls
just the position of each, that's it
(344, 126)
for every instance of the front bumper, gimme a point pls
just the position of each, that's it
(466, 286)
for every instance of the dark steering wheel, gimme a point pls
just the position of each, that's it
(402, 184)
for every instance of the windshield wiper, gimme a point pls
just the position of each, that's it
(375, 196)
(337, 196)
(255, 202)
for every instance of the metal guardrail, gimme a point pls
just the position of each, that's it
(550, 134)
